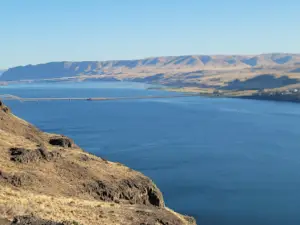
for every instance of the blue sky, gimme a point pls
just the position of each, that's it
(37, 31)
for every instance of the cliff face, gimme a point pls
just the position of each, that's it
(50, 178)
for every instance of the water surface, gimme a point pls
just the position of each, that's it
(224, 161)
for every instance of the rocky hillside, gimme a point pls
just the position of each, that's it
(47, 179)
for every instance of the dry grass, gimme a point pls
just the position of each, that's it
(18, 202)
(58, 208)
(11, 140)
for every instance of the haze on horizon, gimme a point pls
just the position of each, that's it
(36, 31)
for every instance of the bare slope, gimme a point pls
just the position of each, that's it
(199, 71)
(167, 64)
(48, 177)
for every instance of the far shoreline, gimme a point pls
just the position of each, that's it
(270, 95)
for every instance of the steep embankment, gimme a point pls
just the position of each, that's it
(49, 178)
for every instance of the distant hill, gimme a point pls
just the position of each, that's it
(189, 70)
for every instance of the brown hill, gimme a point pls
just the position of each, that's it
(201, 71)
(49, 178)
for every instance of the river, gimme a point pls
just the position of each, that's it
(223, 161)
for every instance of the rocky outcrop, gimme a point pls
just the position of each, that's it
(4, 108)
(22, 155)
(61, 141)
(133, 191)
(49, 177)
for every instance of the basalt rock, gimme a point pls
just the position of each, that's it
(133, 191)
(22, 155)
(4, 108)
(61, 141)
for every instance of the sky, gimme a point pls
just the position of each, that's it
(37, 31)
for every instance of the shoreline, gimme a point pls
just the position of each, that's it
(247, 94)
(278, 95)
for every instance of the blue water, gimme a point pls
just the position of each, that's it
(224, 161)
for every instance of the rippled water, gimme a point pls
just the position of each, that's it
(224, 161)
